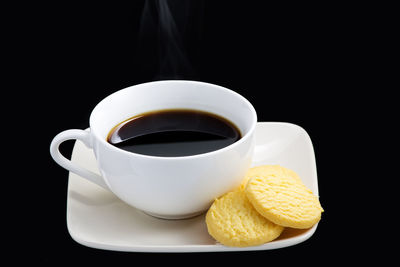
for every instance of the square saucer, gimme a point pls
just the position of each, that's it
(97, 218)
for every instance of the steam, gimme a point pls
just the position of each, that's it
(167, 29)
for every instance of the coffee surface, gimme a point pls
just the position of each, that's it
(174, 133)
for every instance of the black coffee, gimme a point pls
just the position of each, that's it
(174, 133)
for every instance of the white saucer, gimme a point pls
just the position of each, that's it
(98, 219)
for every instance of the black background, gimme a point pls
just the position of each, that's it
(310, 65)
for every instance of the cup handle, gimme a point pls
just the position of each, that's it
(83, 136)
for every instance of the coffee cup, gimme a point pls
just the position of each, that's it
(165, 187)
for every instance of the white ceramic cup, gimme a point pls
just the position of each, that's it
(166, 187)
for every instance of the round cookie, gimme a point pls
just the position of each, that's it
(284, 201)
(265, 170)
(233, 221)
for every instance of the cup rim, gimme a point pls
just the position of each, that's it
(246, 136)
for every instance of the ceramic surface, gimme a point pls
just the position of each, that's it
(97, 218)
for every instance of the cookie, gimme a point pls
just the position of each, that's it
(233, 221)
(284, 200)
(265, 170)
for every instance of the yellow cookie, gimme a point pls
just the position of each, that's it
(284, 200)
(265, 170)
(233, 221)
